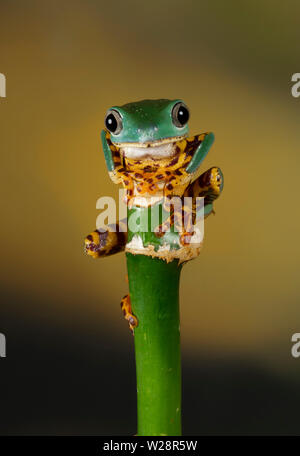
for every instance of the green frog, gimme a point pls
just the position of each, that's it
(148, 149)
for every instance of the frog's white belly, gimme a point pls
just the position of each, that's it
(163, 151)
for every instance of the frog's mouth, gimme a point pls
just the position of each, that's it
(164, 148)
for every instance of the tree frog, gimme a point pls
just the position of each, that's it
(147, 149)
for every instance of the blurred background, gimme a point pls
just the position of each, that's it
(70, 361)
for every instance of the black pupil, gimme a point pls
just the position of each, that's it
(183, 115)
(111, 123)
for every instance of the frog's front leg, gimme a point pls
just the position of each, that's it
(107, 242)
(115, 165)
(127, 312)
(179, 171)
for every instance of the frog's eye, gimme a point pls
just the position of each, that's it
(113, 121)
(180, 114)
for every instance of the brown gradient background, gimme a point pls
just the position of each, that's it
(70, 360)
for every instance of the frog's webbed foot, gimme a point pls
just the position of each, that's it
(185, 238)
(107, 242)
(127, 312)
(100, 244)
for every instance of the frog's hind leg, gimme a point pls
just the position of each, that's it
(188, 221)
(181, 218)
(165, 226)
(127, 312)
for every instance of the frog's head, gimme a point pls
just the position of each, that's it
(148, 128)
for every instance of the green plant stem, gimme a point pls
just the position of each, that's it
(154, 292)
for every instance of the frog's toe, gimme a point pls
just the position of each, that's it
(185, 237)
(159, 231)
(92, 244)
(127, 312)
